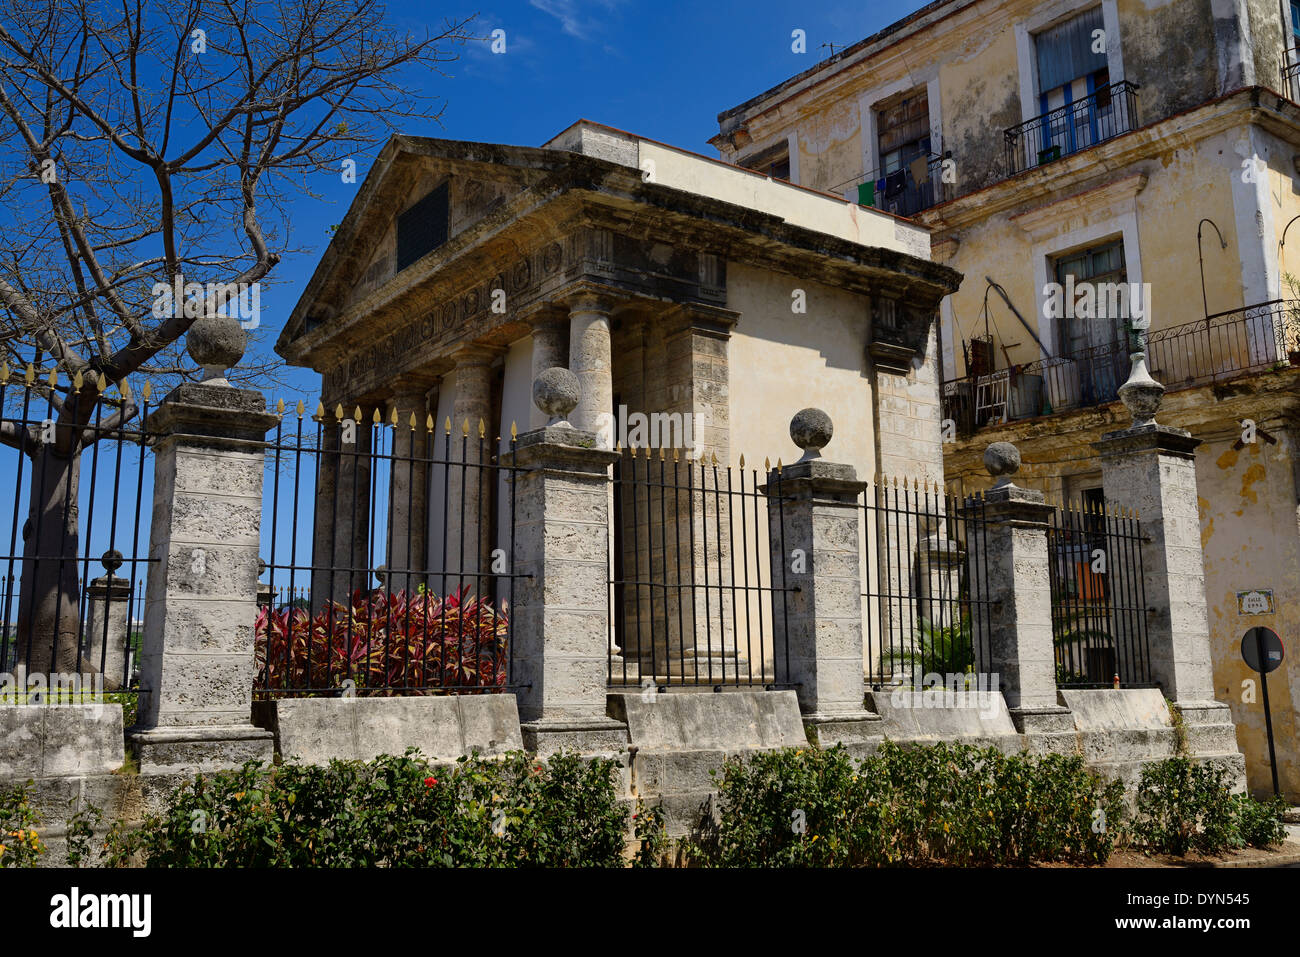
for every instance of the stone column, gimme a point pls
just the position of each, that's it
(469, 489)
(560, 626)
(197, 663)
(590, 360)
(1151, 469)
(108, 627)
(813, 536)
(1011, 544)
(350, 508)
(327, 484)
(408, 493)
(550, 347)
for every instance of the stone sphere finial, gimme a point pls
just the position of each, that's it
(556, 392)
(811, 430)
(1141, 394)
(217, 344)
(1002, 459)
(111, 560)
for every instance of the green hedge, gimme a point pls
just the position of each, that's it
(391, 812)
(941, 804)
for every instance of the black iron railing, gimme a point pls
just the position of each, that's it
(927, 609)
(71, 598)
(694, 596)
(389, 549)
(1099, 621)
(1105, 114)
(900, 192)
(1222, 346)
(1291, 79)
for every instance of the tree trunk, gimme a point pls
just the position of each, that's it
(49, 613)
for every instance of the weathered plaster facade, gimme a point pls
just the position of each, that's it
(1214, 137)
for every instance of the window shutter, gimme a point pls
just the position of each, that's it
(422, 228)
(1065, 51)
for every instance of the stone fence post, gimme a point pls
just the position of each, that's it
(197, 665)
(813, 538)
(1011, 542)
(561, 614)
(1151, 469)
(108, 625)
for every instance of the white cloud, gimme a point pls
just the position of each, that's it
(575, 19)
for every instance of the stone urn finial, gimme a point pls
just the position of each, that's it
(556, 392)
(216, 343)
(1002, 459)
(1141, 394)
(811, 430)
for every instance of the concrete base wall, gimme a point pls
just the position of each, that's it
(316, 730)
(60, 740)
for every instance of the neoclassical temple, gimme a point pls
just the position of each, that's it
(666, 281)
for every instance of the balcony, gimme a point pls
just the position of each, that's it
(1291, 78)
(1105, 114)
(1223, 346)
(900, 192)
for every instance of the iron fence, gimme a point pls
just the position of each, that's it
(72, 587)
(926, 604)
(389, 557)
(693, 599)
(1093, 119)
(1291, 78)
(1099, 622)
(1225, 345)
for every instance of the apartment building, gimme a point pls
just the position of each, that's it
(1108, 177)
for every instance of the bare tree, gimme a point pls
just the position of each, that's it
(152, 144)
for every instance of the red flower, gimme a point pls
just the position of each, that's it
(430, 782)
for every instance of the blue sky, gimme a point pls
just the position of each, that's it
(662, 70)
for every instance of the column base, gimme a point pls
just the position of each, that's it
(200, 749)
(1046, 730)
(548, 735)
(1209, 728)
(844, 727)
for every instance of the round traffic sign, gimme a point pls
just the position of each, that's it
(1265, 639)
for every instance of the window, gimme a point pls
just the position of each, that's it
(903, 139)
(422, 228)
(1295, 25)
(773, 162)
(1094, 336)
(1074, 83)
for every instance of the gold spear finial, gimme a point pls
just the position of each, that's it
(356, 414)
(514, 430)
(414, 421)
(428, 421)
(54, 378)
(447, 425)
(742, 460)
(4, 373)
(300, 408)
(482, 427)
(339, 413)
(392, 416)
(715, 460)
(147, 391)
(767, 464)
(320, 410)
(778, 466)
(279, 406)
(77, 380)
(464, 428)
(376, 418)
(674, 455)
(30, 375)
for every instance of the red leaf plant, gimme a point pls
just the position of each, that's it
(385, 643)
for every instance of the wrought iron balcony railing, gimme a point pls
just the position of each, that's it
(1223, 346)
(1105, 114)
(1291, 78)
(901, 192)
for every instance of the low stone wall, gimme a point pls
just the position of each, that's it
(316, 730)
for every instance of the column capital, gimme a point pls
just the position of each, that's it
(701, 319)
(475, 354)
(587, 296)
(1024, 507)
(1148, 438)
(818, 480)
(545, 313)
